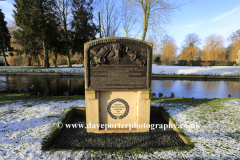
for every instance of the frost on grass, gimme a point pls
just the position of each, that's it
(217, 136)
(24, 125)
(48, 70)
(22, 128)
(197, 70)
(170, 70)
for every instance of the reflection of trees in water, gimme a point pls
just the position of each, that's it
(54, 85)
(210, 85)
(8, 82)
(188, 85)
(78, 86)
(167, 84)
(48, 86)
(44, 84)
(233, 86)
(154, 83)
(20, 82)
(69, 86)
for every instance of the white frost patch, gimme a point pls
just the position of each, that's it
(47, 70)
(197, 70)
(24, 125)
(216, 137)
(171, 70)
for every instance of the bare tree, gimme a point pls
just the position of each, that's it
(213, 49)
(128, 19)
(190, 52)
(63, 8)
(167, 39)
(192, 39)
(169, 52)
(13, 27)
(110, 19)
(155, 14)
(169, 48)
(156, 46)
(190, 49)
(234, 36)
(235, 47)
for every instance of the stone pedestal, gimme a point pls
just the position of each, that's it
(130, 109)
(117, 84)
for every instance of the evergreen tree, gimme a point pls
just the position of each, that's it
(82, 24)
(81, 28)
(4, 37)
(37, 21)
(157, 60)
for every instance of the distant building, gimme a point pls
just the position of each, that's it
(238, 59)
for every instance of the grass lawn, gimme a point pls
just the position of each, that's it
(25, 120)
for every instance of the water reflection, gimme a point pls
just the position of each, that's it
(197, 89)
(56, 85)
(53, 85)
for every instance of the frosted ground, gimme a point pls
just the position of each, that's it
(23, 125)
(174, 70)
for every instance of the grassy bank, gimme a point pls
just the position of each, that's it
(25, 120)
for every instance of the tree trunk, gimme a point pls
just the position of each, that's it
(65, 32)
(45, 53)
(4, 56)
(69, 86)
(5, 60)
(55, 60)
(37, 58)
(68, 61)
(146, 12)
(145, 25)
(144, 32)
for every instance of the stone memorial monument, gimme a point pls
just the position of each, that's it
(117, 85)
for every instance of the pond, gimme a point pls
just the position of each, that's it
(56, 85)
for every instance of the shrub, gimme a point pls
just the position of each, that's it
(229, 63)
(157, 60)
(189, 63)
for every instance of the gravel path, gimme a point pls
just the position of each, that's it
(78, 138)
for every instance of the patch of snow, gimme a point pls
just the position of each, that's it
(169, 70)
(22, 129)
(216, 136)
(197, 70)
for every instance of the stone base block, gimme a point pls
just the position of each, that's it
(117, 111)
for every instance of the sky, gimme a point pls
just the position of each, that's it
(203, 17)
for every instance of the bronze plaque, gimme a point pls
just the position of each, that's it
(118, 63)
(118, 108)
